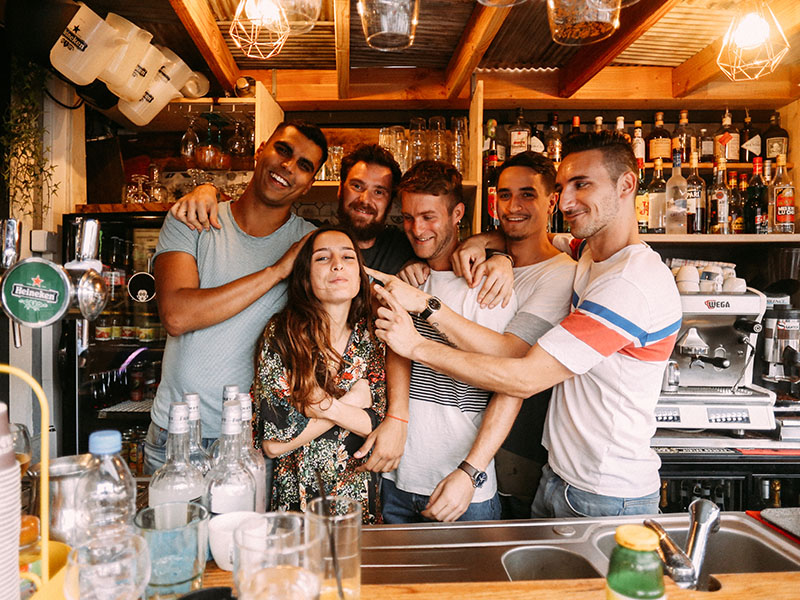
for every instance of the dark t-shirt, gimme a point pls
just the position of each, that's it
(390, 252)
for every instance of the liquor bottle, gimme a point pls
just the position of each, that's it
(490, 219)
(520, 134)
(776, 138)
(659, 142)
(552, 140)
(706, 145)
(598, 124)
(197, 454)
(642, 202)
(537, 142)
(719, 205)
(502, 142)
(229, 392)
(177, 480)
(726, 139)
(743, 179)
(489, 141)
(767, 176)
(736, 204)
(676, 197)
(657, 191)
(638, 141)
(576, 124)
(253, 459)
(695, 199)
(750, 138)
(783, 198)
(229, 486)
(621, 128)
(756, 201)
(683, 138)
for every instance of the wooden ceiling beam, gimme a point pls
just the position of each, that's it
(199, 22)
(341, 24)
(592, 59)
(702, 68)
(483, 25)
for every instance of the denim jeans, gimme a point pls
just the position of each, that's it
(556, 498)
(155, 448)
(405, 507)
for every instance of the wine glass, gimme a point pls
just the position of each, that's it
(190, 142)
(138, 195)
(21, 438)
(157, 191)
(237, 144)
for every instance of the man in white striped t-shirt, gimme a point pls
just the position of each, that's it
(444, 415)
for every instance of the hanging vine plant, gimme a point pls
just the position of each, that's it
(26, 168)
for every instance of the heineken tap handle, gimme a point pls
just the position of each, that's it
(12, 234)
(88, 239)
(16, 329)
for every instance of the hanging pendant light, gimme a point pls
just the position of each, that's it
(501, 3)
(302, 15)
(389, 24)
(259, 28)
(754, 44)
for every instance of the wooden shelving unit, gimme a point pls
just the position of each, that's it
(702, 238)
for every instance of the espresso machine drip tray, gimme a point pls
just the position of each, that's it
(711, 407)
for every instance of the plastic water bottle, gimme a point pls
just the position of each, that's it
(106, 493)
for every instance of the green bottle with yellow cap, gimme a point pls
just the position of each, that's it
(635, 569)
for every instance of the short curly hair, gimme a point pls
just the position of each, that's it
(617, 152)
(435, 178)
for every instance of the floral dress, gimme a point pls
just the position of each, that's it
(294, 480)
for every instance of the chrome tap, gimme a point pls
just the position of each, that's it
(686, 568)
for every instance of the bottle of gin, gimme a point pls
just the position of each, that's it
(520, 134)
(676, 197)
(695, 199)
(177, 480)
(657, 191)
(642, 200)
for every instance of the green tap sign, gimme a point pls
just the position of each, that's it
(36, 292)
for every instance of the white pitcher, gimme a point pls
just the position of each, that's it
(142, 75)
(127, 56)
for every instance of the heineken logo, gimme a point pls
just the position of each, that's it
(35, 291)
(71, 39)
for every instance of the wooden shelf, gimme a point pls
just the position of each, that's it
(731, 166)
(123, 208)
(745, 238)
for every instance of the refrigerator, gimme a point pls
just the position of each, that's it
(110, 368)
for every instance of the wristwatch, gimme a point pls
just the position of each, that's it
(432, 305)
(478, 477)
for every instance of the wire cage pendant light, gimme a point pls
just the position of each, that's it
(259, 28)
(501, 3)
(754, 44)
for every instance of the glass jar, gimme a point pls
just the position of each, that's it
(578, 22)
(635, 569)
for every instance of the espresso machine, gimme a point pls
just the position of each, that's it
(708, 381)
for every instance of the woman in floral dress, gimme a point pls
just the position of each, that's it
(320, 386)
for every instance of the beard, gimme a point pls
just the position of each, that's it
(361, 231)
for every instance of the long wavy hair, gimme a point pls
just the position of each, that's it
(300, 333)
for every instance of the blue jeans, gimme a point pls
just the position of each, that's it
(155, 448)
(556, 498)
(405, 507)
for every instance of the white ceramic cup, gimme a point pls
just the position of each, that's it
(220, 536)
(708, 287)
(735, 285)
(196, 86)
(85, 47)
(127, 56)
(688, 273)
(688, 287)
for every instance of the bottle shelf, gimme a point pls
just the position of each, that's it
(731, 166)
(126, 407)
(712, 238)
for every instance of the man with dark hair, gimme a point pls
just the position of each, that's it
(605, 359)
(216, 289)
(444, 415)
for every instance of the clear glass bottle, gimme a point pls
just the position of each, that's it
(621, 128)
(198, 455)
(229, 486)
(756, 202)
(229, 392)
(178, 480)
(706, 145)
(490, 141)
(657, 191)
(635, 569)
(489, 217)
(776, 138)
(659, 142)
(695, 199)
(637, 142)
(726, 140)
(676, 197)
(750, 139)
(520, 135)
(642, 200)
(552, 140)
(719, 204)
(783, 198)
(106, 493)
(537, 142)
(252, 457)
(683, 138)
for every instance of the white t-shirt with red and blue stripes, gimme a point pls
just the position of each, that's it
(624, 318)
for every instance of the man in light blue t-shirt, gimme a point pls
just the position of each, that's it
(218, 288)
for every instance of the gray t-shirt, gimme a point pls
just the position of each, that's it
(205, 360)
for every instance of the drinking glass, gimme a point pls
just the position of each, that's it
(417, 141)
(338, 521)
(438, 145)
(22, 446)
(400, 147)
(110, 567)
(157, 191)
(460, 147)
(335, 154)
(177, 535)
(189, 143)
(276, 556)
(138, 195)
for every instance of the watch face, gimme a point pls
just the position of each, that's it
(434, 303)
(480, 479)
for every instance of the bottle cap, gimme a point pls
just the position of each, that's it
(192, 400)
(637, 123)
(658, 163)
(229, 392)
(108, 441)
(247, 406)
(636, 537)
(231, 417)
(178, 418)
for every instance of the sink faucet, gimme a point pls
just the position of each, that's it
(686, 568)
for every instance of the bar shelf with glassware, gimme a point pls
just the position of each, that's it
(716, 238)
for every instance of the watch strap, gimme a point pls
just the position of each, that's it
(474, 474)
(431, 307)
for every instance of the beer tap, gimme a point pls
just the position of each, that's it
(12, 234)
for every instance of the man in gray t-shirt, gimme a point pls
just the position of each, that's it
(217, 289)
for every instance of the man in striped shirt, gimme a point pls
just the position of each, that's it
(606, 358)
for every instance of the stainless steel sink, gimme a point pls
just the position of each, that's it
(551, 549)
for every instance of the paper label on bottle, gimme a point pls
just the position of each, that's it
(753, 145)
(694, 198)
(501, 152)
(519, 141)
(660, 148)
(775, 146)
(707, 147)
(638, 147)
(642, 208)
(491, 201)
(784, 205)
(732, 148)
(537, 145)
(554, 150)
(612, 595)
(179, 419)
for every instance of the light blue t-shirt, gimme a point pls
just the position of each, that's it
(205, 360)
